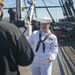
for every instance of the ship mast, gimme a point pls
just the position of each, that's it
(18, 9)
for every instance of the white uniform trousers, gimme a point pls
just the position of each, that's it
(41, 69)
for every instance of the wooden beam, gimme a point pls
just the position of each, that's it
(1, 1)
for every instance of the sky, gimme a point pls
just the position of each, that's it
(55, 12)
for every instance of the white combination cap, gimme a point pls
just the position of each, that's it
(45, 20)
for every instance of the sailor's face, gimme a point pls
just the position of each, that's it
(45, 26)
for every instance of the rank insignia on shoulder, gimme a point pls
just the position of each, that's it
(55, 45)
(50, 38)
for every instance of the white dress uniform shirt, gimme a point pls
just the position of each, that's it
(51, 50)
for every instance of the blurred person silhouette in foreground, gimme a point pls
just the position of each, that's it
(14, 49)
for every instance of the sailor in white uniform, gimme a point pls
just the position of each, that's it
(45, 47)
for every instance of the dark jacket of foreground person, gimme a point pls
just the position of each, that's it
(14, 49)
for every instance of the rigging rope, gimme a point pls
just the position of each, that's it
(48, 12)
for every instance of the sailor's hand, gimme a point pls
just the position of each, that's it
(48, 60)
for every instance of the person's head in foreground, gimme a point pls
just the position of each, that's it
(15, 50)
